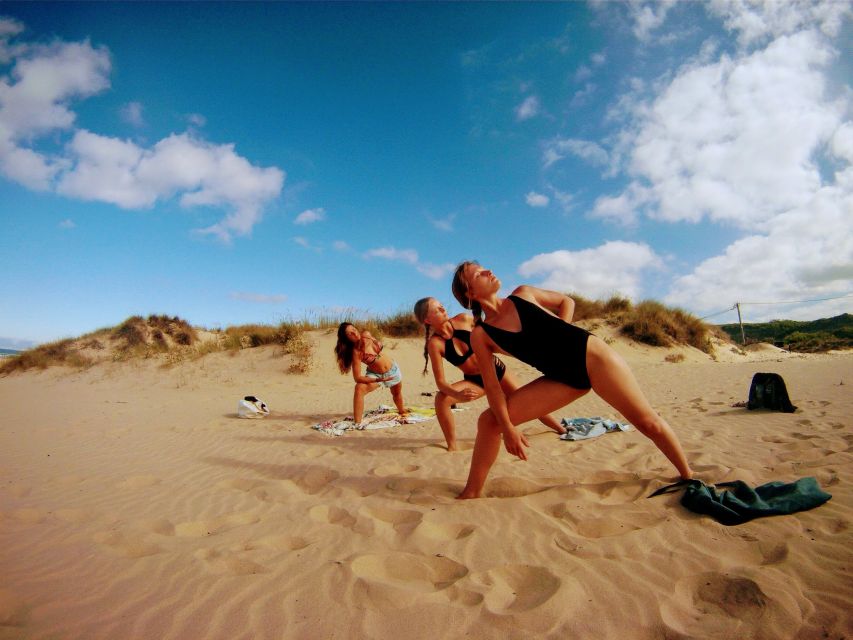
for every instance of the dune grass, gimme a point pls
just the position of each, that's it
(177, 340)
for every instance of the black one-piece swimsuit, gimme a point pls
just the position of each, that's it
(451, 355)
(552, 345)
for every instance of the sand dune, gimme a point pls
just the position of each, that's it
(135, 504)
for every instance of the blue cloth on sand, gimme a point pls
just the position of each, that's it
(586, 428)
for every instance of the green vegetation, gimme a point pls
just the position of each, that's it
(795, 335)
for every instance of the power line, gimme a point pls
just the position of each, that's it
(848, 295)
(718, 313)
(734, 306)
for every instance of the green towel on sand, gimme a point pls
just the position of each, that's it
(741, 503)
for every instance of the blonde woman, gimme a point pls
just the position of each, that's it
(355, 348)
(534, 325)
(449, 339)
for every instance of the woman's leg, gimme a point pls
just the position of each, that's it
(537, 398)
(397, 395)
(444, 413)
(361, 390)
(613, 380)
(509, 384)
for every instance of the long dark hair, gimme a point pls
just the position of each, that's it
(344, 348)
(460, 290)
(421, 309)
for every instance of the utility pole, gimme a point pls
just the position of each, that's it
(742, 334)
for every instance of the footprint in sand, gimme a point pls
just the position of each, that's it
(772, 552)
(729, 605)
(395, 579)
(622, 521)
(331, 515)
(394, 469)
(515, 589)
(280, 543)
(226, 562)
(201, 528)
(509, 487)
(315, 478)
(129, 545)
(395, 521)
(444, 531)
(320, 452)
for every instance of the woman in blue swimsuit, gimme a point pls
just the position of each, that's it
(533, 325)
(450, 339)
(354, 348)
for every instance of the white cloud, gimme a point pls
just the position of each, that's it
(310, 215)
(196, 120)
(564, 199)
(442, 224)
(122, 173)
(529, 108)
(260, 298)
(589, 151)
(436, 271)
(737, 141)
(806, 254)
(410, 256)
(44, 79)
(68, 223)
(9, 28)
(648, 16)
(34, 102)
(583, 73)
(390, 253)
(302, 241)
(755, 21)
(132, 114)
(340, 245)
(614, 267)
(534, 199)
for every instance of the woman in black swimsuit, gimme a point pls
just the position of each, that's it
(450, 339)
(533, 325)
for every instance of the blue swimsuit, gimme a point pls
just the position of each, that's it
(552, 345)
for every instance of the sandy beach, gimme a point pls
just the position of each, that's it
(135, 504)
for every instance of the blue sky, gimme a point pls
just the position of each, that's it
(234, 163)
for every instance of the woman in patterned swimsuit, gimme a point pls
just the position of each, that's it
(533, 325)
(354, 348)
(450, 339)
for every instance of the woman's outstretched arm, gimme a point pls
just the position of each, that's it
(514, 440)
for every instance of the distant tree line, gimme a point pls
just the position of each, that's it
(797, 335)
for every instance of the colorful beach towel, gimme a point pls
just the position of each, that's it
(382, 417)
(586, 428)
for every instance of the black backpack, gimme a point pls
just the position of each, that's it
(768, 391)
